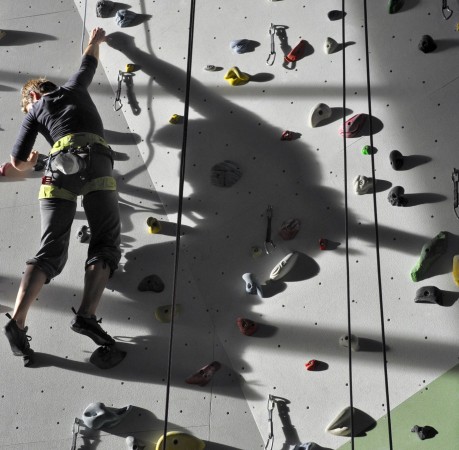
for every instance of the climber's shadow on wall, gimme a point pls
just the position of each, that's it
(337, 113)
(17, 37)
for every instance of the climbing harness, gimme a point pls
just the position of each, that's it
(272, 54)
(269, 244)
(445, 9)
(270, 441)
(75, 431)
(455, 178)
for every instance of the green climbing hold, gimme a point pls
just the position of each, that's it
(395, 6)
(429, 254)
(367, 150)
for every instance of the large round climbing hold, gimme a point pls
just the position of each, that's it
(176, 440)
(225, 174)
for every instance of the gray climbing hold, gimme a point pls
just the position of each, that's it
(362, 184)
(97, 415)
(125, 18)
(83, 234)
(396, 196)
(104, 8)
(344, 341)
(396, 159)
(429, 294)
(319, 113)
(251, 285)
(427, 44)
(330, 46)
(225, 174)
(241, 45)
(151, 283)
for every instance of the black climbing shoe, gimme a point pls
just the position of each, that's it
(18, 339)
(89, 326)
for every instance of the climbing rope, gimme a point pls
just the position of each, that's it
(84, 25)
(375, 214)
(179, 212)
(346, 224)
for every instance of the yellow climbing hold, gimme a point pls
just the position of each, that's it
(235, 77)
(175, 440)
(154, 225)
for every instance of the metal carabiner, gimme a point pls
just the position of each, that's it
(118, 105)
(272, 54)
(270, 441)
(446, 11)
(75, 431)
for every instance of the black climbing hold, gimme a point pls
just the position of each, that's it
(106, 357)
(427, 44)
(425, 432)
(151, 283)
(335, 14)
(396, 159)
(429, 294)
(396, 197)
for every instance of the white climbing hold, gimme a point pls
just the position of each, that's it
(362, 184)
(283, 267)
(319, 113)
(330, 46)
(341, 424)
(344, 341)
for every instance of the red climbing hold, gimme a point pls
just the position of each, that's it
(297, 52)
(323, 244)
(246, 326)
(311, 365)
(204, 375)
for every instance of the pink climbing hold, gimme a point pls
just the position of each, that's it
(352, 126)
(204, 375)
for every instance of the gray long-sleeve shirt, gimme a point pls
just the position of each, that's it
(68, 109)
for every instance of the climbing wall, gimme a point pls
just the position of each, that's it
(300, 317)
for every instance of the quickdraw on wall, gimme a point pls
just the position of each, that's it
(128, 77)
